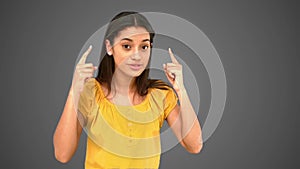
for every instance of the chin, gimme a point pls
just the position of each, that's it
(135, 74)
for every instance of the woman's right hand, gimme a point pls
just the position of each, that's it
(68, 130)
(82, 73)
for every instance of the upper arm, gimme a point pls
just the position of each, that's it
(174, 121)
(86, 101)
(79, 129)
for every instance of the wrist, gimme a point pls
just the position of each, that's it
(180, 90)
(71, 91)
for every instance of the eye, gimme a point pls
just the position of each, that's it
(126, 46)
(145, 47)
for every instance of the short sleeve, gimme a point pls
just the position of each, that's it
(86, 100)
(170, 102)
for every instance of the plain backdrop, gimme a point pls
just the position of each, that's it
(257, 42)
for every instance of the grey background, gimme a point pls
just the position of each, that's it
(257, 42)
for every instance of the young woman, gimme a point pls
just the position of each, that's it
(122, 110)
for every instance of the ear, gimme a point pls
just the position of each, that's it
(109, 50)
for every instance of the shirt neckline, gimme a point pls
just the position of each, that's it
(136, 105)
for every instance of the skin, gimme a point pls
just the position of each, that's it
(183, 119)
(131, 47)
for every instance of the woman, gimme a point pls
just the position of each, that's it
(121, 109)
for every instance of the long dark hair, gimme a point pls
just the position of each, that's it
(107, 64)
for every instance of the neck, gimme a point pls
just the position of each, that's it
(123, 84)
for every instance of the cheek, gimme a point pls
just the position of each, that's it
(120, 57)
(147, 57)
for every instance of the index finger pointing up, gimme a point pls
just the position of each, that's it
(172, 56)
(85, 54)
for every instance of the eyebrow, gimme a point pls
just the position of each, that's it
(128, 39)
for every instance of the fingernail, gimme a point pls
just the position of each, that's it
(90, 46)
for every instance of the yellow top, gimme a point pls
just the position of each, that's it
(122, 136)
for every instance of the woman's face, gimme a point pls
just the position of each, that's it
(131, 51)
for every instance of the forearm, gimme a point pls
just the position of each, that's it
(67, 133)
(190, 126)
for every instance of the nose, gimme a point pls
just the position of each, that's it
(136, 55)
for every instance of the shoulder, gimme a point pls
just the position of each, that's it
(91, 82)
(92, 87)
(161, 90)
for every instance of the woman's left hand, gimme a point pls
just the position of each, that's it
(173, 72)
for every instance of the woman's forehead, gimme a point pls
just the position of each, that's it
(134, 33)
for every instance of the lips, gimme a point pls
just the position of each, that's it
(135, 66)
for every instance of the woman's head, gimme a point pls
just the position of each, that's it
(130, 51)
(127, 48)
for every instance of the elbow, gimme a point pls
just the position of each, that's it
(195, 149)
(62, 157)
(62, 153)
